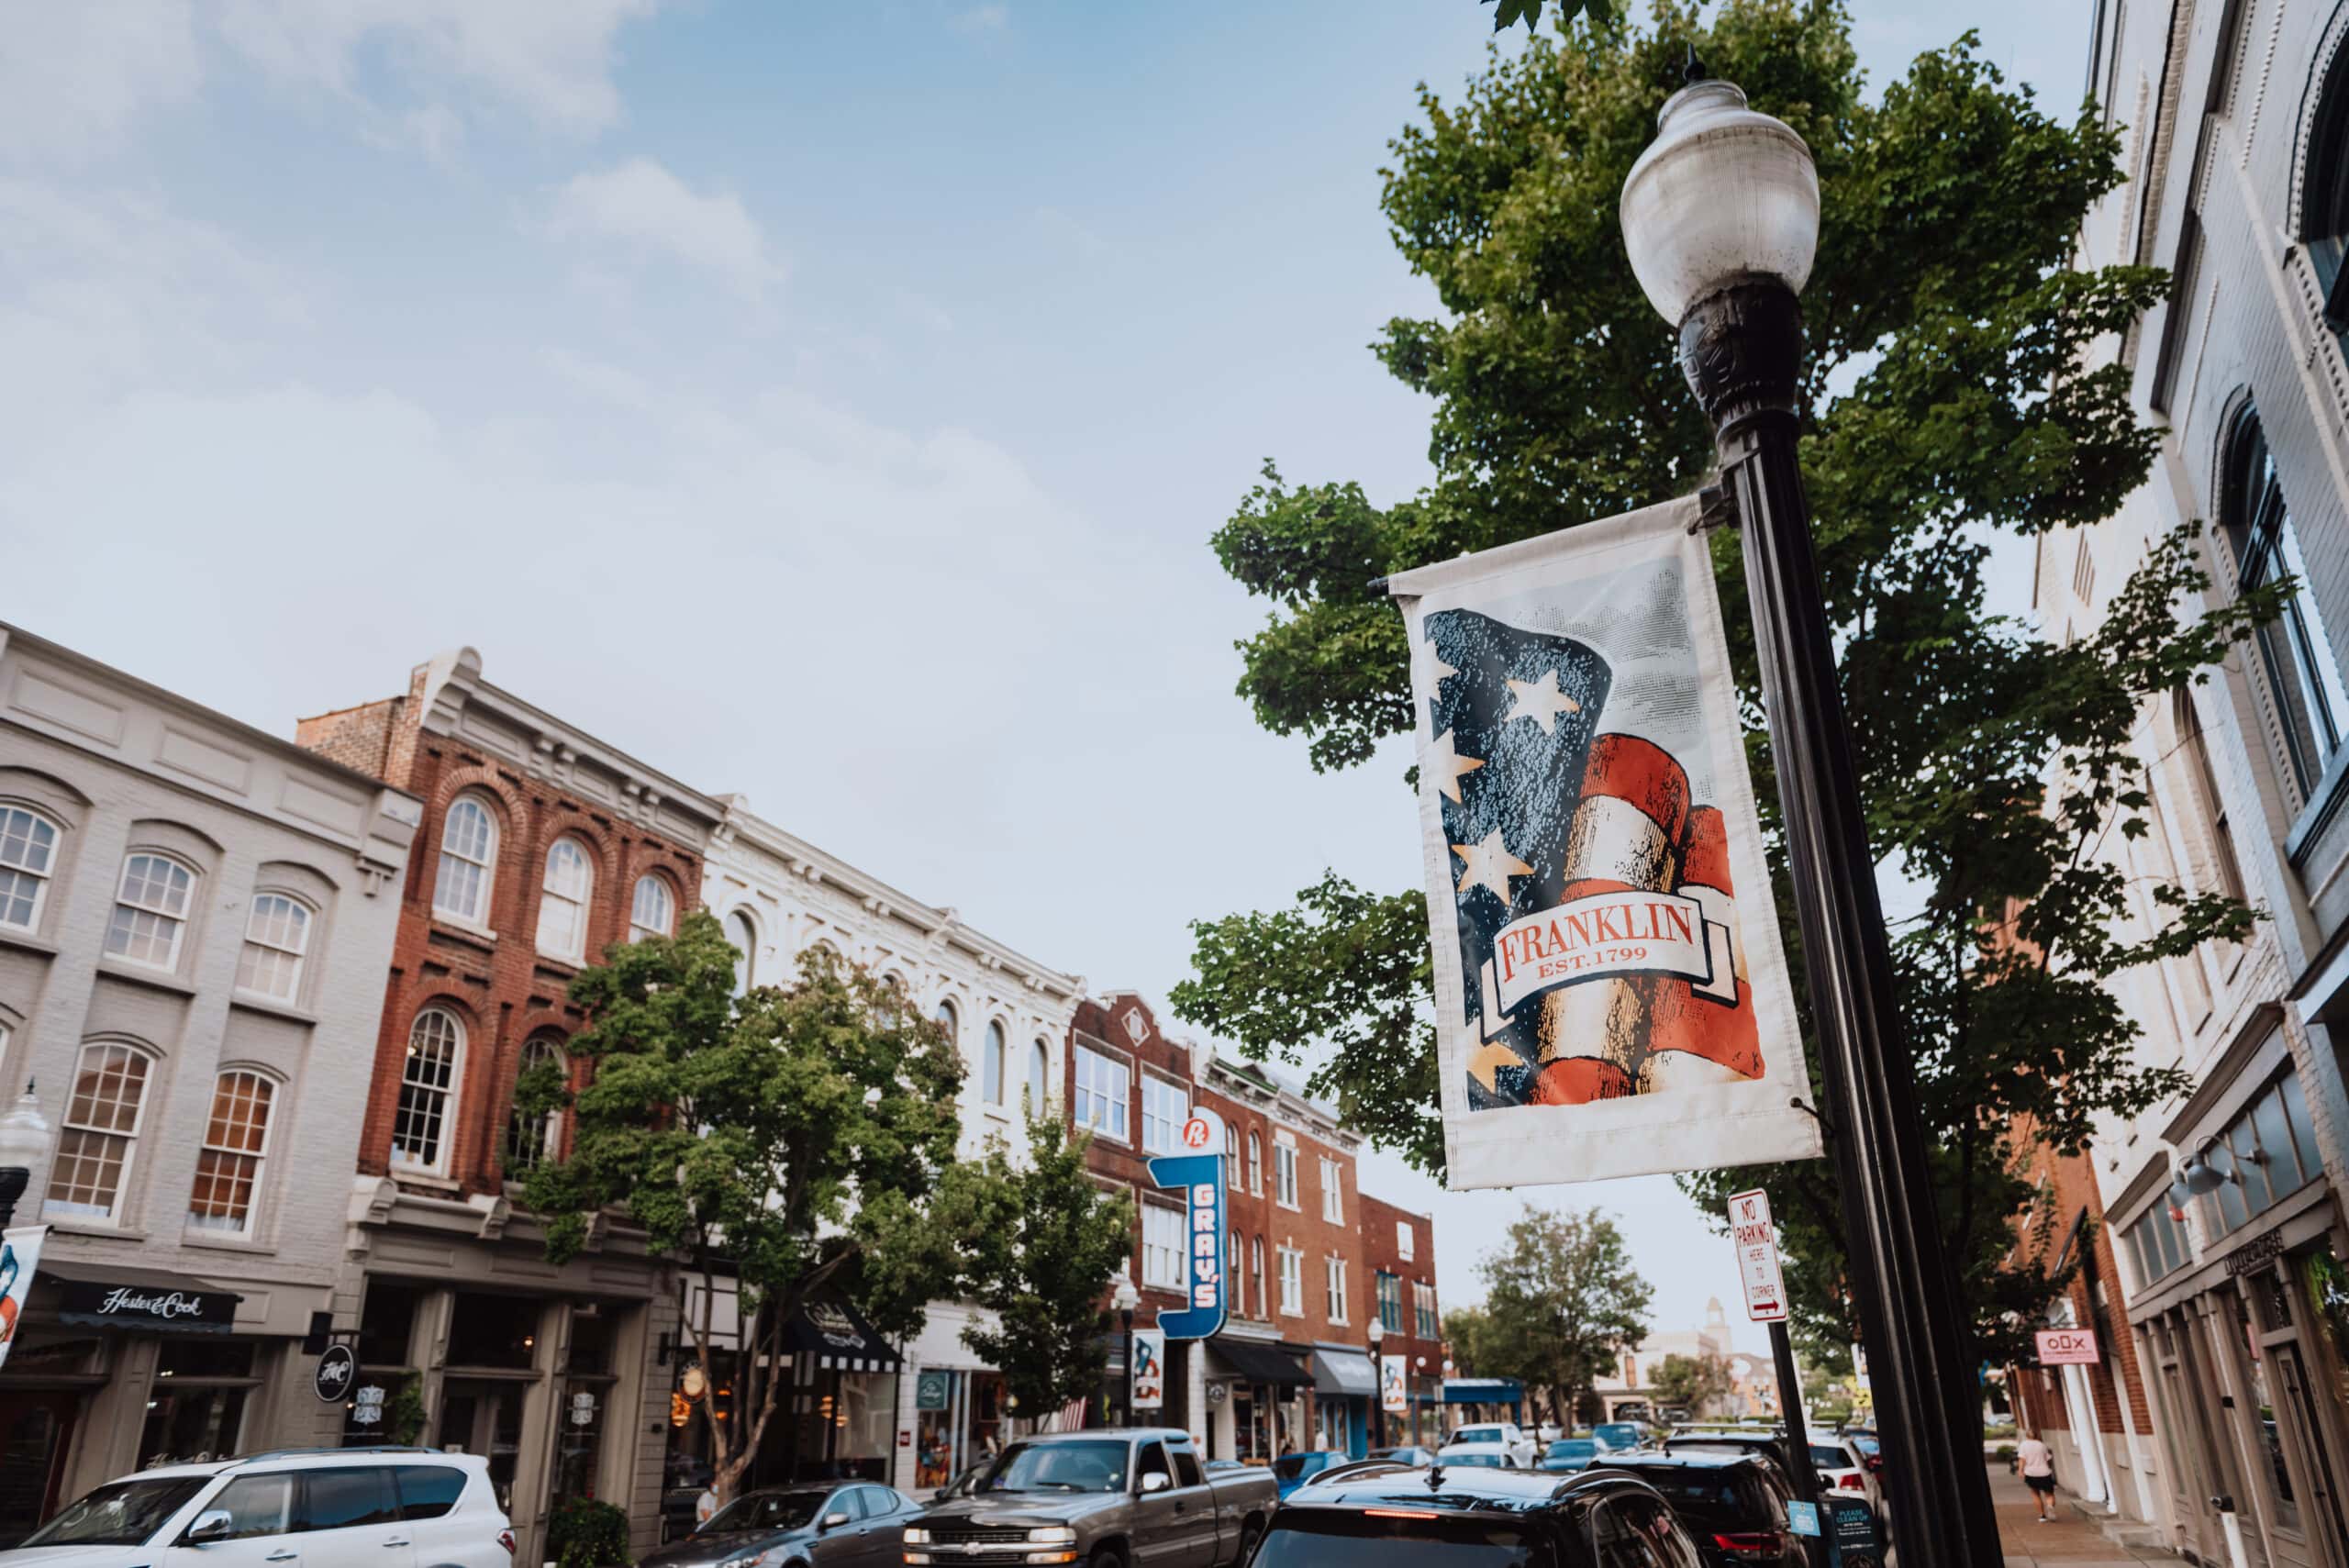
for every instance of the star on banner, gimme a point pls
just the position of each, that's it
(1489, 865)
(1446, 765)
(1540, 701)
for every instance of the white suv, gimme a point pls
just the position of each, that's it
(406, 1507)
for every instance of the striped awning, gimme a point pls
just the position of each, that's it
(835, 1337)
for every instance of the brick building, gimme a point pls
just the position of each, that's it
(1399, 1253)
(540, 847)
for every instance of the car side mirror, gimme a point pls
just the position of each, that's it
(1156, 1482)
(832, 1521)
(213, 1524)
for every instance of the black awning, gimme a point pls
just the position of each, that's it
(102, 1296)
(1261, 1363)
(838, 1337)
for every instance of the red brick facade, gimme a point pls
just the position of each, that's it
(2097, 1301)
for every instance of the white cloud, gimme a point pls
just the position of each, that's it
(983, 20)
(75, 74)
(647, 212)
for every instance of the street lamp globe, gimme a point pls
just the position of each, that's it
(1377, 1333)
(1724, 194)
(1124, 1296)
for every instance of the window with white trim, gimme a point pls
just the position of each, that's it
(562, 900)
(1406, 1240)
(991, 1065)
(1336, 1268)
(1284, 1174)
(1166, 1247)
(27, 854)
(1255, 1165)
(1103, 1087)
(468, 851)
(653, 911)
(745, 939)
(1292, 1282)
(1165, 1107)
(532, 1138)
(1256, 1268)
(226, 1197)
(1423, 1312)
(1333, 1201)
(151, 910)
(422, 1126)
(1231, 1167)
(1040, 1077)
(278, 933)
(92, 1170)
(1390, 1300)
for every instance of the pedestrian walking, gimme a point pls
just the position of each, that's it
(2038, 1462)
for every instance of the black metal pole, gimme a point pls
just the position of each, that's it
(1127, 1316)
(14, 1179)
(1741, 349)
(1806, 1475)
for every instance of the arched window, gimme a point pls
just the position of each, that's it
(1040, 1077)
(151, 910)
(92, 1171)
(28, 849)
(745, 937)
(2204, 782)
(2324, 212)
(420, 1127)
(468, 850)
(1231, 1167)
(653, 912)
(2302, 671)
(530, 1138)
(227, 1168)
(991, 1066)
(951, 1022)
(1255, 1165)
(278, 933)
(562, 900)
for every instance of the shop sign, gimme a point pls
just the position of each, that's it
(582, 1408)
(2067, 1347)
(1200, 1178)
(933, 1391)
(1217, 1393)
(1394, 1390)
(1611, 996)
(2258, 1250)
(367, 1406)
(1149, 1373)
(175, 1308)
(19, 1256)
(338, 1369)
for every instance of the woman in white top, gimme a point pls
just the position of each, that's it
(2038, 1464)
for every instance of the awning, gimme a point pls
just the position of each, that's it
(839, 1337)
(102, 1296)
(1483, 1391)
(1260, 1362)
(1343, 1372)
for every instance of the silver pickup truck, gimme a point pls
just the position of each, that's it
(1124, 1498)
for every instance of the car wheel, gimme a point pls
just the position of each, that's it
(1249, 1530)
(1108, 1557)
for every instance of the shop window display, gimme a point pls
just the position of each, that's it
(197, 1408)
(493, 1330)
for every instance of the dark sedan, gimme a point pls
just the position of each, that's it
(848, 1526)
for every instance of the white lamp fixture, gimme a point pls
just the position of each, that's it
(1377, 1333)
(1724, 193)
(24, 1139)
(1123, 1296)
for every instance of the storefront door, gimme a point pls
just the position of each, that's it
(484, 1418)
(35, 1432)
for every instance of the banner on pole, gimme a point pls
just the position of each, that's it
(19, 1256)
(1611, 998)
(1394, 1390)
(1149, 1371)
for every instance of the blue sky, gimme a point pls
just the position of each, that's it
(828, 404)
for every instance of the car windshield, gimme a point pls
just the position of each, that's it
(765, 1510)
(1618, 1434)
(1351, 1540)
(1574, 1448)
(1407, 1456)
(1480, 1461)
(1295, 1466)
(121, 1513)
(1825, 1453)
(1480, 1435)
(1059, 1467)
(1708, 1495)
(1865, 1441)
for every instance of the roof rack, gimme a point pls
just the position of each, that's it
(323, 1453)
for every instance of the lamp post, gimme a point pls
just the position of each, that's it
(1124, 1298)
(1377, 1382)
(1720, 216)
(24, 1138)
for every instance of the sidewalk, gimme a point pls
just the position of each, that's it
(2069, 1542)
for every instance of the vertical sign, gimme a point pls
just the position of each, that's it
(1149, 1371)
(1393, 1393)
(1757, 1256)
(19, 1255)
(1200, 1178)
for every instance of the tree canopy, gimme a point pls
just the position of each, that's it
(1946, 414)
(1562, 1301)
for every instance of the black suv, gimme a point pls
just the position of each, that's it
(1395, 1516)
(1734, 1505)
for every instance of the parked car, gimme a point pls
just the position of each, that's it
(1291, 1470)
(1411, 1454)
(1135, 1497)
(858, 1522)
(1568, 1456)
(1844, 1468)
(1476, 1456)
(331, 1505)
(1768, 1443)
(1390, 1518)
(1734, 1505)
(1508, 1434)
(1865, 1439)
(1620, 1436)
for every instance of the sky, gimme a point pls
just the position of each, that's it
(828, 404)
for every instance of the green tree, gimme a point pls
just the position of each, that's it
(1945, 409)
(1469, 1338)
(1691, 1383)
(1563, 1302)
(798, 1134)
(1043, 1242)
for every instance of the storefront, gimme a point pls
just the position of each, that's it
(115, 1369)
(1345, 1384)
(953, 1411)
(1259, 1415)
